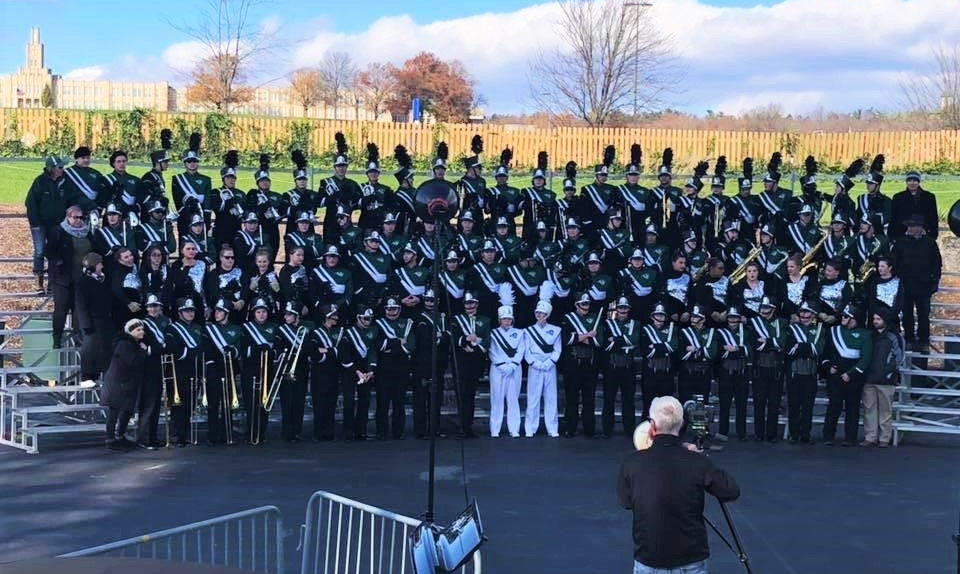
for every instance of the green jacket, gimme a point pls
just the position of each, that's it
(849, 350)
(46, 202)
(703, 341)
(85, 186)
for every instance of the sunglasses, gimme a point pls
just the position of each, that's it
(76, 217)
(226, 257)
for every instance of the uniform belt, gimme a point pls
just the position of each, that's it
(620, 360)
(803, 367)
(581, 353)
(768, 360)
(734, 365)
(659, 364)
(697, 366)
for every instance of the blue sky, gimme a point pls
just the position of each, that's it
(735, 54)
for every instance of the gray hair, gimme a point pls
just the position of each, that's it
(667, 415)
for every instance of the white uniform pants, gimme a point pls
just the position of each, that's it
(505, 385)
(542, 384)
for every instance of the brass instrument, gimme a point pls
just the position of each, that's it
(168, 376)
(717, 219)
(228, 396)
(199, 391)
(256, 421)
(700, 271)
(666, 208)
(95, 222)
(286, 369)
(868, 267)
(809, 255)
(741, 271)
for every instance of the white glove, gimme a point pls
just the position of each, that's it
(545, 365)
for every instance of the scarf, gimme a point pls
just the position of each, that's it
(78, 232)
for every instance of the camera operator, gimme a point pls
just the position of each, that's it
(664, 486)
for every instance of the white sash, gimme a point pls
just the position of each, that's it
(407, 282)
(187, 337)
(255, 334)
(451, 287)
(594, 194)
(357, 341)
(367, 266)
(216, 336)
(188, 190)
(81, 184)
(842, 349)
(521, 282)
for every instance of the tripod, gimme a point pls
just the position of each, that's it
(739, 551)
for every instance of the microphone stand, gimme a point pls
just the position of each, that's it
(440, 226)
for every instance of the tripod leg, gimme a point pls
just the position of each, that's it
(741, 554)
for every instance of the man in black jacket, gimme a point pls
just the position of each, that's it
(914, 200)
(917, 259)
(664, 486)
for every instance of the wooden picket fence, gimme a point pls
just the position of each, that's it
(583, 145)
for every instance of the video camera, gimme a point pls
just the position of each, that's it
(697, 416)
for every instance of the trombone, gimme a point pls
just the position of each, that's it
(199, 387)
(287, 369)
(228, 396)
(168, 376)
(257, 421)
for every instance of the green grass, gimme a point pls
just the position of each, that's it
(16, 177)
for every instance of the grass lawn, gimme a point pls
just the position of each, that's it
(16, 177)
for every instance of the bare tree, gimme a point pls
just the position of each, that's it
(936, 94)
(611, 59)
(378, 83)
(306, 88)
(234, 47)
(336, 75)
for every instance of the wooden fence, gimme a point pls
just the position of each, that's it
(583, 145)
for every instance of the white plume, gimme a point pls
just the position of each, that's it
(546, 291)
(505, 291)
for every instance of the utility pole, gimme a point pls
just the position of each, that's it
(637, 6)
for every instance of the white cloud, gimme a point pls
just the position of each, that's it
(842, 54)
(86, 73)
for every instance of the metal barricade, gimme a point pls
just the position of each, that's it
(250, 540)
(341, 536)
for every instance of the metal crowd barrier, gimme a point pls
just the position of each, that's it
(340, 535)
(249, 540)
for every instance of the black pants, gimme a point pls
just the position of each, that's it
(96, 349)
(180, 414)
(844, 397)
(392, 380)
(470, 366)
(656, 384)
(624, 380)
(63, 303)
(801, 393)
(694, 379)
(913, 299)
(733, 387)
(148, 410)
(324, 382)
(256, 430)
(117, 423)
(219, 408)
(356, 404)
(767, 392)
(579, 383)
(293, 402)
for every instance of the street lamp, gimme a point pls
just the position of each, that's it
(636, 51)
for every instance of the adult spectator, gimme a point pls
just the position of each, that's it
(65, 247)
(46, 205)
(917, 257)
(94, 304)
(914, 201)
(121, 383)
(881, 377)
(664, 486)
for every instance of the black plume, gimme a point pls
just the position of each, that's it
(299, 159)
(776, 160)
(721, 167)
(877, 164)
(810, 166)
(609, 154)
(264, 162)
(748, 168)
(476, 144)
(542, 160)
(402, 156)
(855, 169)
(668, 158)
(341, 143)
(506, 156)
(571, 170)
(194, 144)
(443, 152)
(373, 153)
(636, 154)
(166, 137)
(701, 169)
(231, 158)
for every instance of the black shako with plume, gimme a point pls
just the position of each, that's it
(570, 176)
(231, 160)
(846, 180)
(699, 172)
(773, 168)
(876, 170)
(636, 157)
(341, 157)
(405, 163)
(166, 142)
(719, 179)
(476, 146)
(506, 156)
(373, 158)
(543, 162)
(609, 154)
(745, 181)
(666, 163)
(443, 153)
(193, 148)
(300, 162)
(264, 171)
(808, 183)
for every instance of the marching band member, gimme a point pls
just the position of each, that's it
(634, 196)
(293, 389)
(397, 347)
(698, 351)
(304, 237)
(805, 344)
(472, 335)
(658, 347)
(223, 342)
(375, 196)
(151, 391)
(637, 283)
(619, 374)
(769, 337)
(846, 360)
(485, 277)
(229, 282)
(736, 345)
(798, 287)
(425, 330)
(227, 202)
(332, 283)
(507, 347)
(834, 293)
(324, 371)
(183, 340)
(358, 362)
(409, 282)
(541, 353)
(583, 337)
(259, 369)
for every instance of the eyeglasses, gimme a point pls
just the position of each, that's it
(75, 217)
(226, 257)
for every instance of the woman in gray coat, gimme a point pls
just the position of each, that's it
(121, 383)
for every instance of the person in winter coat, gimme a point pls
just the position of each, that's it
(121, 383)
(912, 202)
(917, 259)
(93, 317)
(879, 381)
(65, 247)
(46, 205)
